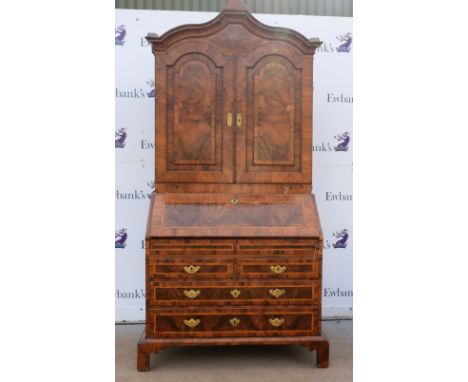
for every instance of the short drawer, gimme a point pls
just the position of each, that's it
(236, 294)
(241, 322)
(189, 269)
(278, 268)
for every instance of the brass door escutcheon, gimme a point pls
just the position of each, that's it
(276, 321)
(191, 293)
(191, 268)
(277, 269)
(239, 119)
(235, 293)
(277, 292)
(234, 201)
(229, 119)
(234, 321)
(192, 322)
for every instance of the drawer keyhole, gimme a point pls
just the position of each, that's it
(234, 321)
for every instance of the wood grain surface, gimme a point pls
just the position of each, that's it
(233, 242)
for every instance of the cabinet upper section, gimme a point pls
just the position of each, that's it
(233, 102)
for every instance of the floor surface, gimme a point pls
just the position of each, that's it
(237, 363)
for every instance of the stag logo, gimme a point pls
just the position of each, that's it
(345, 43)
(120, 137)
(343, 141)
(121, 238)
(342, 238)
(151, 184)
(120, 33)
(152, 92)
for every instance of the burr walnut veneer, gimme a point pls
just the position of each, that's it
(233, 241)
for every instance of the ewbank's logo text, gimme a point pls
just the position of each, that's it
(137, 92)
(130, 294)
(343, 139)
(343, 46)
(331, 197)
(328, 292)
(333, 98)
(136, 194)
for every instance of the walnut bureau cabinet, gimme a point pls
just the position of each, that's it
(233, 241)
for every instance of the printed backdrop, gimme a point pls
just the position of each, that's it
(134, 148)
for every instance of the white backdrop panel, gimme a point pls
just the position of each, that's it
(332, 171)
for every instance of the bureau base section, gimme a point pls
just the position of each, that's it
(146, 346)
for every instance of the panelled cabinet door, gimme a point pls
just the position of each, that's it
(273, 139)
(193, 139)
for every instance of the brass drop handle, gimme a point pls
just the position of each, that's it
(234, 321)
(229, 119)
(191, 293)
(277, 269)
(192, 322)
(191, 268)
(276, 321)
(239, 119)
(277, 292)
(235, 293)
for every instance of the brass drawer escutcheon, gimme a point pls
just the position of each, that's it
(277, 269)
(234, 201)
(239, 120)
(277, 292)
(191, 293)
(192, 322)
(191, 268)
(229, 119)
(234, 321)
(276, 321)
(235, 293)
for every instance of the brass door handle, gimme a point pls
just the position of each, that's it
(229, 119)
(276, 321)
(191, 268)
(191, 293)
(277, 292)
(277, 269)
(234, 321)
(235, 293)
(192, 322)
(239, 119)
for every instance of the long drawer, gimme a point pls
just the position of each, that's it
(234, 322)
(235, 293)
